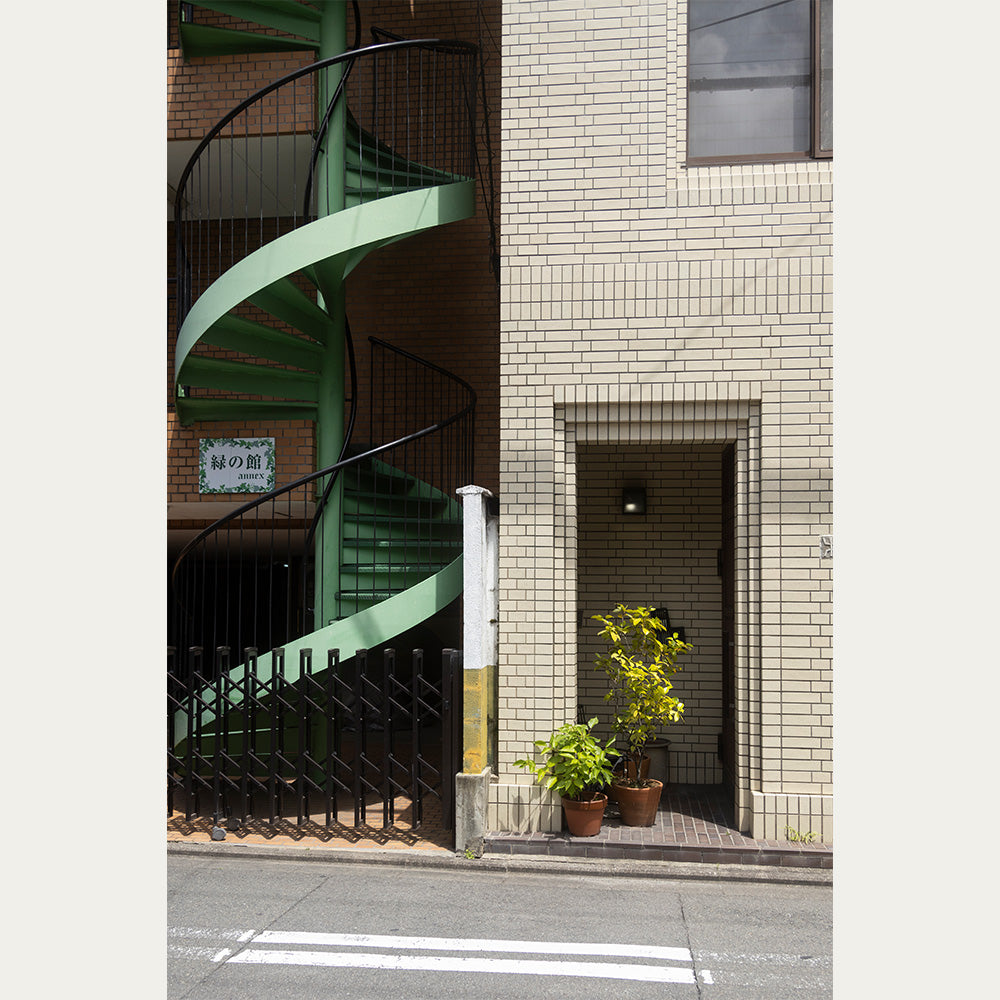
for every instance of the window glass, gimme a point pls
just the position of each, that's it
(750, 83)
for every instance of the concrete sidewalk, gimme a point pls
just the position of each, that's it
(499, 864)
(691, 838)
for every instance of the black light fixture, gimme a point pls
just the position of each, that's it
(634, 500)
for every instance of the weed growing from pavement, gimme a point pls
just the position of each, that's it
(799, 838)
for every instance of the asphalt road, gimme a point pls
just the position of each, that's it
(295, 930)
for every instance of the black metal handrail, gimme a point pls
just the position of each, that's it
(409, 397)
(428, 113)
(342, 463)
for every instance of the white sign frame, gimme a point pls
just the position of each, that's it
(235, 465)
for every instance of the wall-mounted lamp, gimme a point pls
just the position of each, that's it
(634, 500)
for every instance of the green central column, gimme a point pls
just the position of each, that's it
(330, 183)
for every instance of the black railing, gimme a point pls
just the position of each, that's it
(252, 178)
(249, 579)
(374, 734)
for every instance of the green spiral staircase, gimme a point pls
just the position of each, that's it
(270, 221)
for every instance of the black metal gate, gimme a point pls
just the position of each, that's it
(256, 740)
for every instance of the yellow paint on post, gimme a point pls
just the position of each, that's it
(475, 728)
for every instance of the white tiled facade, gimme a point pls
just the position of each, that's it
(653, 313)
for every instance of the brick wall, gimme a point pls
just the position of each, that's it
(442, 297)
(634, 284)
(203, 89)
(293, 443)
(432, 294)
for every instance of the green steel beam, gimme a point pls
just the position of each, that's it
(330, 201)
(346, 238)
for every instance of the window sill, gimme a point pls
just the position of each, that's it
(737, 161)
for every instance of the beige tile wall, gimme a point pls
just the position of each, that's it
(645, 301)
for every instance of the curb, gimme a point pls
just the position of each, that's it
(522, 864)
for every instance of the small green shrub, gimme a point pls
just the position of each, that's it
(639, 664)
(576, 765)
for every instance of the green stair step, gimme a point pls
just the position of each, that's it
(202, 40)
(360, 573)
(394, 531)
(425, 543)
(369, 595)
(417, 174)
(432, 559)
(395, 505)
(239, 334)
(286, 301)
(414, 496)
(388, 180)
(366, 588)
(283, 15)
(397, 486)
(355, 195)
(417, 488)
(198, 408)
(403, 520)
(365, 151)
(240, 376)
(360, 549)
(378, 569)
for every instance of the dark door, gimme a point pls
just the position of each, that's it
(728, 572)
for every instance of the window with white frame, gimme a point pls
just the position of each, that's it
(760, 75)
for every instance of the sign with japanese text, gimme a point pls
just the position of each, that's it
(240, 465)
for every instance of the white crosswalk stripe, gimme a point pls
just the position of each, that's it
(472, 944)
(473, 955)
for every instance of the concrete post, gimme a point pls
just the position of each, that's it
(479, 638)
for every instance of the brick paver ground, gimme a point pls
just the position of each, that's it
(694, 823)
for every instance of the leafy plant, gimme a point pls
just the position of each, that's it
(640, 660)
(799, 838)
(576, 765)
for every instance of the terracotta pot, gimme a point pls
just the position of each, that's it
(584, 817)
(637, 806)
(643, 768)
(630, 771)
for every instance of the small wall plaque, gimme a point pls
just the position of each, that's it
(235, 465)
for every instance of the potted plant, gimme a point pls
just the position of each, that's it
(576, 768)
(640, 660)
